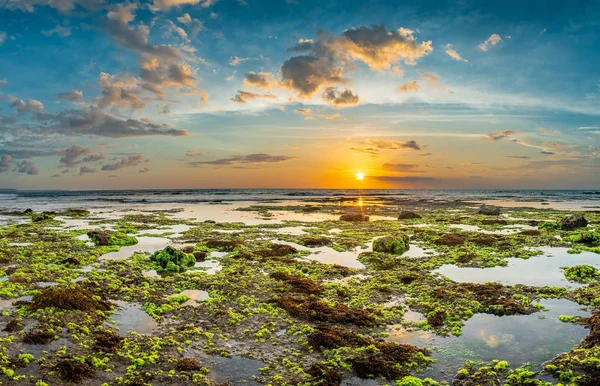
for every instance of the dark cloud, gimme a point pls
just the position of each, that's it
(144, 170)
(28, 106)
(132, 38)
(246, 159)
(124, 162)
(340, 99)
(244, 96)
(403, 178)
(547, 152)
(308, 73)
(87, 170)
(74, 96)
(406, 168)
(64, 6)
(303, 45)
(373, 146)
(5, 162)
(76, 154)
(119, 91)
(27, 167)
(88, 121)
(518, 156)
(499, 135)
(260, 80)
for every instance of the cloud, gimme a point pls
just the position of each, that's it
(175, 29)
(518, 156)
(409, 179)
(194, 25)
(27, 167)
(87, 170)
(58, 30)
(89, 121)
(166, 4)
(490, 42)
(373, 146)
(63, 6)
(308, 73)
(303, 45)
(260, 158)
(133, 38)
(261, 80)
(76, 154)
(499, 135)
(329, 57)
(412, 86)
(545, 152)
(244, 96)
(74, 96)
(433, 80)
(340, 99)
(304, 111)
(143, 171)
(236, 60)
(6, 162)
(29, 106)
(119, 91)
(2, 38)
(405, 168)
(193, 154)
(330, 116)
(124, 162)
(453, 54)
(379, 48)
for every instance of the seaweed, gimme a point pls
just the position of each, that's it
(73, 370)
(69, 299)
(173, 260)
(319, 310)
(396, 245)
(108, 341)
(299, 283)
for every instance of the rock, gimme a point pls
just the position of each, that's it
(200, 256)
(489, 210)
(100, 237)
(396, 245)
(493, 221)
(315, 241)
(354, 217)
(573, 222)
(407, 215)
(188, 249)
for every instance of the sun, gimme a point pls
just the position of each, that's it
(360, 176)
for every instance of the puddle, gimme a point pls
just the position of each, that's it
(130, 317)
(195, 297)
(506, 230)
(19, 244)
(519, 339)
(6, 304)
(145, 244)
(235, 371)
(327, 255)
(346, 280)
(537, 271)
(294, 231)
(415, 252)
(176, 230)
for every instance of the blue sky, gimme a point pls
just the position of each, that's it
(205, 93)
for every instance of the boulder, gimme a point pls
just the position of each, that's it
(407, 215)
(354, 217)
(573, 222)
(396, 245)
(489, 210)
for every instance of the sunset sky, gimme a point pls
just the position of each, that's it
(299, 94)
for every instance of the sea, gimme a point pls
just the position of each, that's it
(101, 199)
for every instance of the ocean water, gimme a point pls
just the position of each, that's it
(57, 199)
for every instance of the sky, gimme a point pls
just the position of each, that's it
(299, 94)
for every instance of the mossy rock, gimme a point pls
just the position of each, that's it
(396, 245)
(173, 260)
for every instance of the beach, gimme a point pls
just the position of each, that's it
(298, 287)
